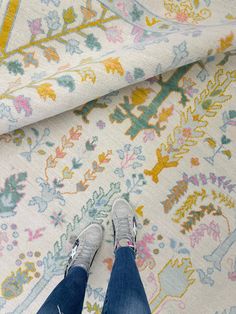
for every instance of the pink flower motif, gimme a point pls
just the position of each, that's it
(121, 6)
(22, 103)
(143, 250)
(149, 238)
(182, 16)
(113, 34)
(35, 26)
(101, 124)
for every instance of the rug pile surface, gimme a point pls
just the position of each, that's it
(102, 99)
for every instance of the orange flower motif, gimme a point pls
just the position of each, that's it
(187, 132)
(60, 153)
(74, 134)
(103, 157)
(113, 65)
(182, 16)
(51, 54)
(45, 91)
(195, 161)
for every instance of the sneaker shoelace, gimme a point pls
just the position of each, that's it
(123, 229)
(85, 254)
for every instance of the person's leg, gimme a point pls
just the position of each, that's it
(125, 293)
(68, 296)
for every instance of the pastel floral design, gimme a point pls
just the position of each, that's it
(114, 34)
(72, 46)
(101, 99)
(35, 26)
(53, 20)
(22, 103)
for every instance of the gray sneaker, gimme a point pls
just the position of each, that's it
(85, 247)
(124, 224)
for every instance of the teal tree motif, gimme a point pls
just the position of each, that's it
(148, 112)
(11, 194)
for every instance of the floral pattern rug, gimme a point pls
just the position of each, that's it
(160, 132)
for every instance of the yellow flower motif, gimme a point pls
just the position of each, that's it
(226, 42)
(113, 65)
(140, 95)
(67, 173)
(69, 15)
(45, 91)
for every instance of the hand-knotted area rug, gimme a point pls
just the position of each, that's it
(101, 99)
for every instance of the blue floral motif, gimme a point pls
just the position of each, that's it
(53, 20)
(55, 2)
(73, 46)
(180, 53)
(130, 158)
(5, 112)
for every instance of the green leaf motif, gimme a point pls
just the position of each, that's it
(15, 67)
(11, 194)
(35, 131)
(232, 114)
(76, 163)
(206, 104)
(66, 81)
(225, 140)
(49, 144)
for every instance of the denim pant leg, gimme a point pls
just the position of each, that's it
(68, 296)
(125, 293)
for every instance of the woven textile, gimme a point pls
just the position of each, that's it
(101, 99)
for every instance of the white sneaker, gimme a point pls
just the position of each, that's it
(85, 247)
(124, 224)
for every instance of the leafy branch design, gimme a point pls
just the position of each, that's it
(176, 193)
(188, 204)
(59, 36)
(39, 141)
(212, 230)
(227, 200)
(195, 216)
(61, 150)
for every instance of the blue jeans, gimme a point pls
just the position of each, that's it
(125, 293)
